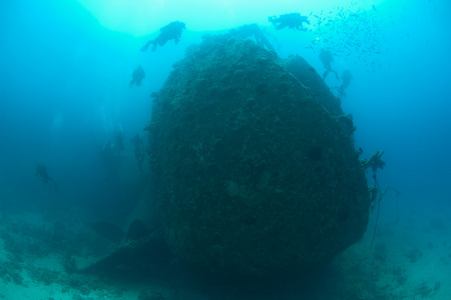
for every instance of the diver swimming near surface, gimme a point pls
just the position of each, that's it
(41, 171)
(326, 58)
(293, 21)
(172, 31)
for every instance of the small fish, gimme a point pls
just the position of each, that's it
(374, 8)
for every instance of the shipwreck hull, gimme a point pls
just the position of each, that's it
(252, 174)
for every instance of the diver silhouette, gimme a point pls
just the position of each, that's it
(137, 76)
(293, 21)
(326, 58)
(41, 171)
(346, 78)
(172, 31)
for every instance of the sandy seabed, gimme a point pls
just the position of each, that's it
(40, 253)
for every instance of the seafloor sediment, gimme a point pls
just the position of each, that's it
(410, 260)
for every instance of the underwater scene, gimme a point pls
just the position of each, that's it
(224, 149)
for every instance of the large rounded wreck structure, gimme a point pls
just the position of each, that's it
(253, 163)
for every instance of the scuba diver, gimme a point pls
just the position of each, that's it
(137, 76)
(346, 78)
(140, 152)
(172, 31)
(41, 171)
(326, 58)
(293, 21)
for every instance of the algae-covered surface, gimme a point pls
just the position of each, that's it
(254, 175)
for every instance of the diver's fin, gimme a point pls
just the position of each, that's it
(154, 47)
(143, 49)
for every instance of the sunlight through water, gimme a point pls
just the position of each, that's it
(141, 17)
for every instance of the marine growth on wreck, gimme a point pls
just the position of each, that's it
(253, 163)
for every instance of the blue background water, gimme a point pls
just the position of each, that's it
(64, 91)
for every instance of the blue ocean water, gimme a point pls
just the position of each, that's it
(65, 96)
